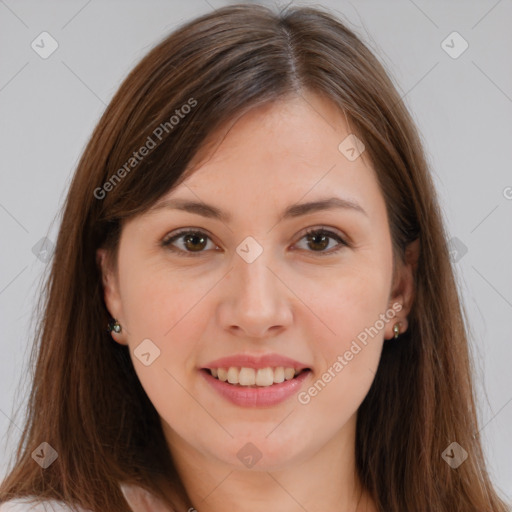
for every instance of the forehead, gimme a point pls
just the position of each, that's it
(283, 152)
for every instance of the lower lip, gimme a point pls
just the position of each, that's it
(256, 397)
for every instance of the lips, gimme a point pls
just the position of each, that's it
(256, 380)
(256, 396)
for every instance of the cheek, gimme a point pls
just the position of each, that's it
(162, 307)
(348, 300)
(352, 310)
(156, 299)
(359, 302)
(348, 353)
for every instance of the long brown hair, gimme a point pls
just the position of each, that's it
(86, 400)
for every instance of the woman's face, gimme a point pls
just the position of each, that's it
(254, 283)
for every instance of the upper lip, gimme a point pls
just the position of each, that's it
(256, 362)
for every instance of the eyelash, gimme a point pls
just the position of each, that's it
(315, 231)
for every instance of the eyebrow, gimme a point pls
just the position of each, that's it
(295, 210)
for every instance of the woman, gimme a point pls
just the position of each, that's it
(254, 221)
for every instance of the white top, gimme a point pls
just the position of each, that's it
(22, 505)
(139, 500)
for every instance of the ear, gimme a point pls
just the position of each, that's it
(111, 293)
(403, 291)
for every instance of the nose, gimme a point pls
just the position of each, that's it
(256, 302)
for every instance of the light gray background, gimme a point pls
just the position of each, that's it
(463, 107)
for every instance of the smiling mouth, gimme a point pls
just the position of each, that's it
(255, 378)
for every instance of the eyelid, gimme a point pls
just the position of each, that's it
(182, 231)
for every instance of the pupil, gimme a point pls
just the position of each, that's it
(194, 237)
(322, 237)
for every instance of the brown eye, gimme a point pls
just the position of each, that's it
(192, 242)
(318, 240)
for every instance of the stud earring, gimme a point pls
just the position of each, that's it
(396, 330)
(114, 325)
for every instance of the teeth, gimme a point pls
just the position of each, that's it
(247, 377)
(289, 373)
(252, 377)
(279, 374)
(233, 375)
(264, 377)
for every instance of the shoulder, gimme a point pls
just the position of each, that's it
(138, 498)
(32, 505)
(141, 500)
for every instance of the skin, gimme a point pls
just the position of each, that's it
(295, 299)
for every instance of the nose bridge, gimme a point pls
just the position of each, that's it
(256, 300)
(256, 283)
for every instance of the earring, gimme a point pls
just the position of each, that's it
(396, 330)
(114, 325)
